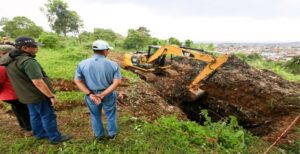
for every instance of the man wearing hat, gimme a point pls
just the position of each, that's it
(8, 95)
(98, 77)
(33, 88)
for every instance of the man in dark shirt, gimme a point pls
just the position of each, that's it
(33, 88)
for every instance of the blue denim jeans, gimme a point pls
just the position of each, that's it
(109, 105)
(43, 120)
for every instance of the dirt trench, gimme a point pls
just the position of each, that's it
(263, 102)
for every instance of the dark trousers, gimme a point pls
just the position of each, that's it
(22, 113)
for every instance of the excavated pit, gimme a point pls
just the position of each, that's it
(261, 100)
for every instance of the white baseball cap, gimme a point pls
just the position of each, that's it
(101, 45)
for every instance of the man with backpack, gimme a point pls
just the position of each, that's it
(33, 88)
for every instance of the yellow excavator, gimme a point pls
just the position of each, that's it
(156, 60)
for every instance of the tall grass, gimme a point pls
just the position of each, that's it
(61, 64)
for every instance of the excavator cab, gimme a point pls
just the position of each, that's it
(160, 61)
(152, 49)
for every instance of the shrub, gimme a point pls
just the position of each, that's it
(254, 56)
(50, 40)
(293, 65)
(249, 57)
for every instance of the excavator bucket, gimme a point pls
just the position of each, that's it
(194, 94)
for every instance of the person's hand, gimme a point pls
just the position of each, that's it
(54, 101)
(100, 96)
(95, 99)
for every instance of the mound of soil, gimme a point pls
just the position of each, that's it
(64, 85)
(261, 100)
(143, 100)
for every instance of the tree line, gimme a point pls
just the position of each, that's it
(64, 21)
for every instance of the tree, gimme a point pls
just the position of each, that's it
(173, 40)
(156, 41)
(50, 40)
(211, 47)
(105, 34)
(293, 65)
(60, 19)
(144, 30)
(3, 20)
(86, 36)
(137, 39)
(2, 33)
(188, 43)
(20, 25)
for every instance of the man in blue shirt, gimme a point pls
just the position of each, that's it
(98, 77)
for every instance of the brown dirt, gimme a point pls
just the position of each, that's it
(64, 85)
(8, 123)
(144, 100)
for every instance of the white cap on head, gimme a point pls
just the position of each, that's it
(101, 45)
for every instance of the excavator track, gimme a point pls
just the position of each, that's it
(147, 76)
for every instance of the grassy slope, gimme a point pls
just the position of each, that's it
(276, 67)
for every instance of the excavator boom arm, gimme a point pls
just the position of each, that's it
(181, 52)
(212, 63)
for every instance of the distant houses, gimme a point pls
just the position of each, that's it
(270, 51)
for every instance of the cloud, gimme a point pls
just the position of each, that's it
(199, 20)
(212, 8)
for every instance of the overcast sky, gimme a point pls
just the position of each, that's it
(198, 20)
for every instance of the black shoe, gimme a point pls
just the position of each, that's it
(102, 138)
(64, 138)
(112, 137)
(41, 138)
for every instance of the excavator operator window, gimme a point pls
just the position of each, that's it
(151, 51)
